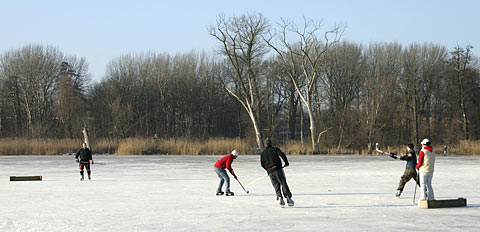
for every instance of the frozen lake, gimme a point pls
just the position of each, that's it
(177, 193)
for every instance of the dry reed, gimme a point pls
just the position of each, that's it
(185, 146)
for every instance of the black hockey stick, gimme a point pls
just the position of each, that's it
(415, 192)
(242, 186)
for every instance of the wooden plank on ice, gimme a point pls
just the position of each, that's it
(25, 178)
(460, 202)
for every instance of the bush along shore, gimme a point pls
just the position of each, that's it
(185, 146)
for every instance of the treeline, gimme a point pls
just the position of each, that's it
(289, 83)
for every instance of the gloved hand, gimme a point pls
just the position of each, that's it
(393, 155)
(76, 160)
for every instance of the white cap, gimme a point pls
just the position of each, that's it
(425, 141)
(235, 153)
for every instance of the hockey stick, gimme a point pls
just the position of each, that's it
(391, 154)
(257, 180)
(415, 192)
(242, 186)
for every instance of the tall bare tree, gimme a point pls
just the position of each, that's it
(460, 60)
(309, 49)
(242, 45)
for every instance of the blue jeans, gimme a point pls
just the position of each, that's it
(426, 186)
(223, 176)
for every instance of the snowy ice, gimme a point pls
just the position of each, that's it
(177, 193)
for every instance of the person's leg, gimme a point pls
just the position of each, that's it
(276, 184)
(403, 180)
(87, 166)
(81, 170)
(428, 183)
(423, 188)
(283, 182)
(220, 176)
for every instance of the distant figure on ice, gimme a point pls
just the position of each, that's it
(426, 165)
(84, 158)
(270, 161)
(410, 171)
(445, 150)
(220, 166)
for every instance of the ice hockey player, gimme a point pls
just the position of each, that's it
(410, 171)
(84, 158)
(220, 166)
(426, 166)
(270, 161)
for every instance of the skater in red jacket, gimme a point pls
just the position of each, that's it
(220, 166)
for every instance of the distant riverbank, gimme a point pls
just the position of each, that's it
(184, 146)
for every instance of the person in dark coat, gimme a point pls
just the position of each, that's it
(410, 172)
(84, 158)
(270, 161)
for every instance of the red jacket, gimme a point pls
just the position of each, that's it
(225, 163)
(421, 155)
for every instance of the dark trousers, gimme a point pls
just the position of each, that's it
(279, 182)
(87, 166)
(407, 175)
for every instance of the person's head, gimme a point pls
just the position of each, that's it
(268, 142)
(235, 154)
(426, 142)
(84, 145)
(410, 146)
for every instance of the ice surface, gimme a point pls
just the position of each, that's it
(177, 193)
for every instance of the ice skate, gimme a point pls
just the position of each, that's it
(81, 178)
(290, 202)
(398, 193)
(282, 203)
(229, 194)
(219, 193)
(89, 178)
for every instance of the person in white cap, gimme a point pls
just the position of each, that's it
(426, 166)
(220, 166)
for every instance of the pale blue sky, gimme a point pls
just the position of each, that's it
(102, 30)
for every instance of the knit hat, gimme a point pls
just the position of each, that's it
(268, 141)
(235, 153)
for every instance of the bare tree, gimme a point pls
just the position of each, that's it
(382, 73)
(460, 60)
(342, 79)
(242, 45)
(309, 49)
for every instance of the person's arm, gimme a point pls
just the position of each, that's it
(420, 160)
(228, 166)
(89, 154)
(283, 156)
(263, 160)
(407, 156)
(77, 155)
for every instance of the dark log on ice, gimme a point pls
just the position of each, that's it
(460, 202)
(25, 178)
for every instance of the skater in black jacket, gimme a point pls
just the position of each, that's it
(84, 158)
(270, 161)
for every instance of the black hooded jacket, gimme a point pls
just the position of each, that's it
(270, 159)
